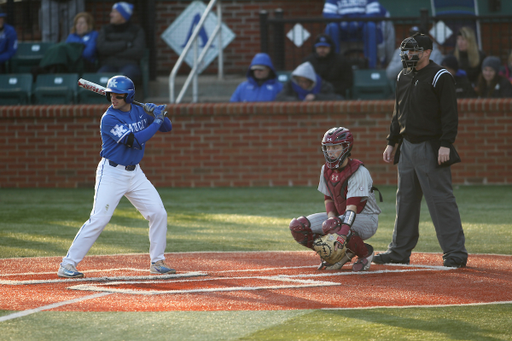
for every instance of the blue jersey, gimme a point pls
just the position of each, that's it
(116, 128)
(8, 43)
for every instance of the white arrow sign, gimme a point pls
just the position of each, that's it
(179, 32)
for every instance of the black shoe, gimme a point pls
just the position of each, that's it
(385, 258)
(455, 262)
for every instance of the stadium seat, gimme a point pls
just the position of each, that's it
(27, 56)
(89, 97)
(283, 76)
(15, 89)
(371, 84)
(58, 88)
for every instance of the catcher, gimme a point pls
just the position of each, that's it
(352, 213)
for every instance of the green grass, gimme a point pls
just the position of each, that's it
(43, 222)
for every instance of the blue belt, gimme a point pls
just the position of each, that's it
(128, 168)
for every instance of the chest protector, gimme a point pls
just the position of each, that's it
(337, 182)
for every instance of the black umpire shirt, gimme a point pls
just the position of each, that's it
(425, 107)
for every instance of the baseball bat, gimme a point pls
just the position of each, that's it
(100, 90)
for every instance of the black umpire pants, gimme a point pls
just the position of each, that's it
(418, 176)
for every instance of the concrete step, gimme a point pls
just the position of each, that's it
(210, 88)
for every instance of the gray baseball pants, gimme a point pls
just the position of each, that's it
(419, 177)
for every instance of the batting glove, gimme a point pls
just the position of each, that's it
(149, 107)
(160, 113)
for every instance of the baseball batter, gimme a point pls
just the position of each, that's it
(351, 209)
(125, 129)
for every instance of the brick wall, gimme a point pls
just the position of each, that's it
(257, 144)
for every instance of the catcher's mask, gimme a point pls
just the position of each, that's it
(417, 44)
(337, 136)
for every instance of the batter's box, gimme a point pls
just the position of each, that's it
(245, 283)
(205, 285)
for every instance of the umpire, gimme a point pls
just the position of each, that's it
(423, 129)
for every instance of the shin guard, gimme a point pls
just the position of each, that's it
(301, 231)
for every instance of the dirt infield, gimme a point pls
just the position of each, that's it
(208, 281)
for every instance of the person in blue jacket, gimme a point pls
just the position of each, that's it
(77, 54)
(306, 85)
(83, 32)
(8, 41)
(261, 84)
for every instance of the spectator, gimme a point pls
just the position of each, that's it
(331, 66)
(395, 65)
(506, 70)
(77, 54)
(467, 53)
(261, 84)
(490, 83)
(306, 85)
(8, 42)
(121, 43)
(58, 13)
(369, 32)
(463, 88)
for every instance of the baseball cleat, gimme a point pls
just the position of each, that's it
(69, 271)
(363, 264)
(385, 258)
(455, 262)
(160, 268)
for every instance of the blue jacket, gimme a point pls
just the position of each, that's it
(89, 40)
(251, 91)
(8, 43)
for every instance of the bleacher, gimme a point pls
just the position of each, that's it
(20, 87)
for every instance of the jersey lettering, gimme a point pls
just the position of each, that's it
(119, 130)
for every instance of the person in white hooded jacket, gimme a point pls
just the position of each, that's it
(306, 85)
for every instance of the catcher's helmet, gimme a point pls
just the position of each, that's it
(121, 85)
(336, 136)
(417, 43)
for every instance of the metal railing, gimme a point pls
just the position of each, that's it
(193, 43)
(495, 32)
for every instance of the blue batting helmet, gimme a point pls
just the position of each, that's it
(121, 85)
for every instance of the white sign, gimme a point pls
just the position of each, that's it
(178, 34)
(441, 32)
(298, 34)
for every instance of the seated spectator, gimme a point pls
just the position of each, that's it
(77, 54)
(121, 43)
(369, 32)
(490, 83)
(261, 84)
(306, 85)
(506, 70)
(331, 66)
(463, 88)
(395, 65)
(467, 53)
(8, 41)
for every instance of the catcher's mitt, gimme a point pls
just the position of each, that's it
(331, 248)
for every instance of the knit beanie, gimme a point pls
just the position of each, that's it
(493, 62)
(124, 8)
